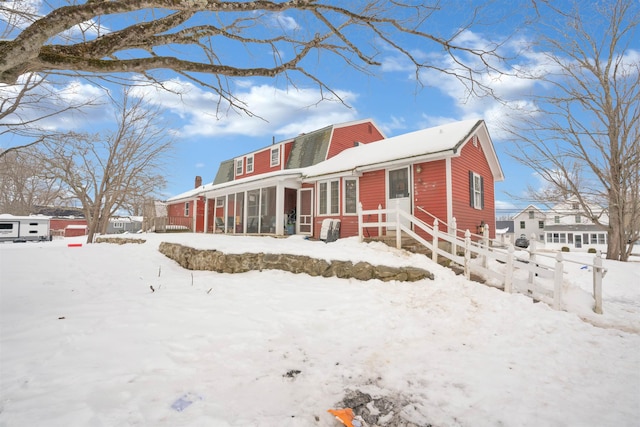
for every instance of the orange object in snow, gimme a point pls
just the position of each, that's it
(75, 245)
(345, 416)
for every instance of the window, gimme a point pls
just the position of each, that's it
(219, 202)
(601, 239)
(541, 237)
(575, 206)
(531, 215)
(118, 225)
(6, 226)
(328, 198)
(578, 219)
(476, 190)
(399, 183)
(563, 238)
(556, 238)
(549, 238)
(541, 224)
(522, 224)
(556, 219)
(238, 167)
(250, 164)
(186, 209)
(570, 238)
(275, 156)
(335, 197)
(350, 196)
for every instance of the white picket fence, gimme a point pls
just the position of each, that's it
(540, 276)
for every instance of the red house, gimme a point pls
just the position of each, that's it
(292, 186)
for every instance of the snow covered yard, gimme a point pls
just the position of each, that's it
(85, 342)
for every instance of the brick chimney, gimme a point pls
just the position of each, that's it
(198, 181)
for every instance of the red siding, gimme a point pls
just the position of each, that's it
(287, 146)
(200, 216)
(60, 225)
(345, 137)
(176, 210)
(430, 191)
(372, 194)
(472, 159)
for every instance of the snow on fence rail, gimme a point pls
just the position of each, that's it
(540, 276)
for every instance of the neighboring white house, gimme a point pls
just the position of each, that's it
(530, 221)
(567, 225)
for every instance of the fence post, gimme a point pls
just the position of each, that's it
(398, 230)
(508, 274)
(557, 282)
(597, 282)
(485, 244)
(434, 251)
(467, 254)
(532, 261)
(380, 220)
(453, 230)
(360, 227)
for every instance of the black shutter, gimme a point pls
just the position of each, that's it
(471, 189)
(481, 193)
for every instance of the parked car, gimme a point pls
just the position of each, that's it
(522, 241)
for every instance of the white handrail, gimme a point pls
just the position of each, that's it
(482, 249)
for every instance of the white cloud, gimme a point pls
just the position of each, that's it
(23, 13)
(280, 112)
(84, 104)
(284, 22)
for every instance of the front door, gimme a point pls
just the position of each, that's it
(578, 240)
(304, 221)
(399, 191)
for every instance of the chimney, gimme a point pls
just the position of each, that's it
(198, 181)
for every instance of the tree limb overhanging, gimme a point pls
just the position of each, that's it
(107, 38)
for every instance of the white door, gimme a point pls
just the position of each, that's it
(304, 209)
(399, 191)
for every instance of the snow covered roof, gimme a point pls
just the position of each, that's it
(441, 141)
(426, 144)
(23, 217)
(76, 226)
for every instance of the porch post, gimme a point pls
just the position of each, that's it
(195, 215)
(280, 209)
(360, 228)
(206, 214)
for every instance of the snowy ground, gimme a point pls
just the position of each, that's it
(85, 342)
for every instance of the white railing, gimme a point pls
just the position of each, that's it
(540, 276)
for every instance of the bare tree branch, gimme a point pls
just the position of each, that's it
(583, 138)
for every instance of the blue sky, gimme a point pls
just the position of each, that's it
(391, 96)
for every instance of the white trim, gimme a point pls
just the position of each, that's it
(250, 156)
(274, 148)
(238, 164)
(449, 190)
(344, 196)
(329, 205)
(477, 192)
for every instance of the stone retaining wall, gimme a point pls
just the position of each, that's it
(119, 240)
(213, 260)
